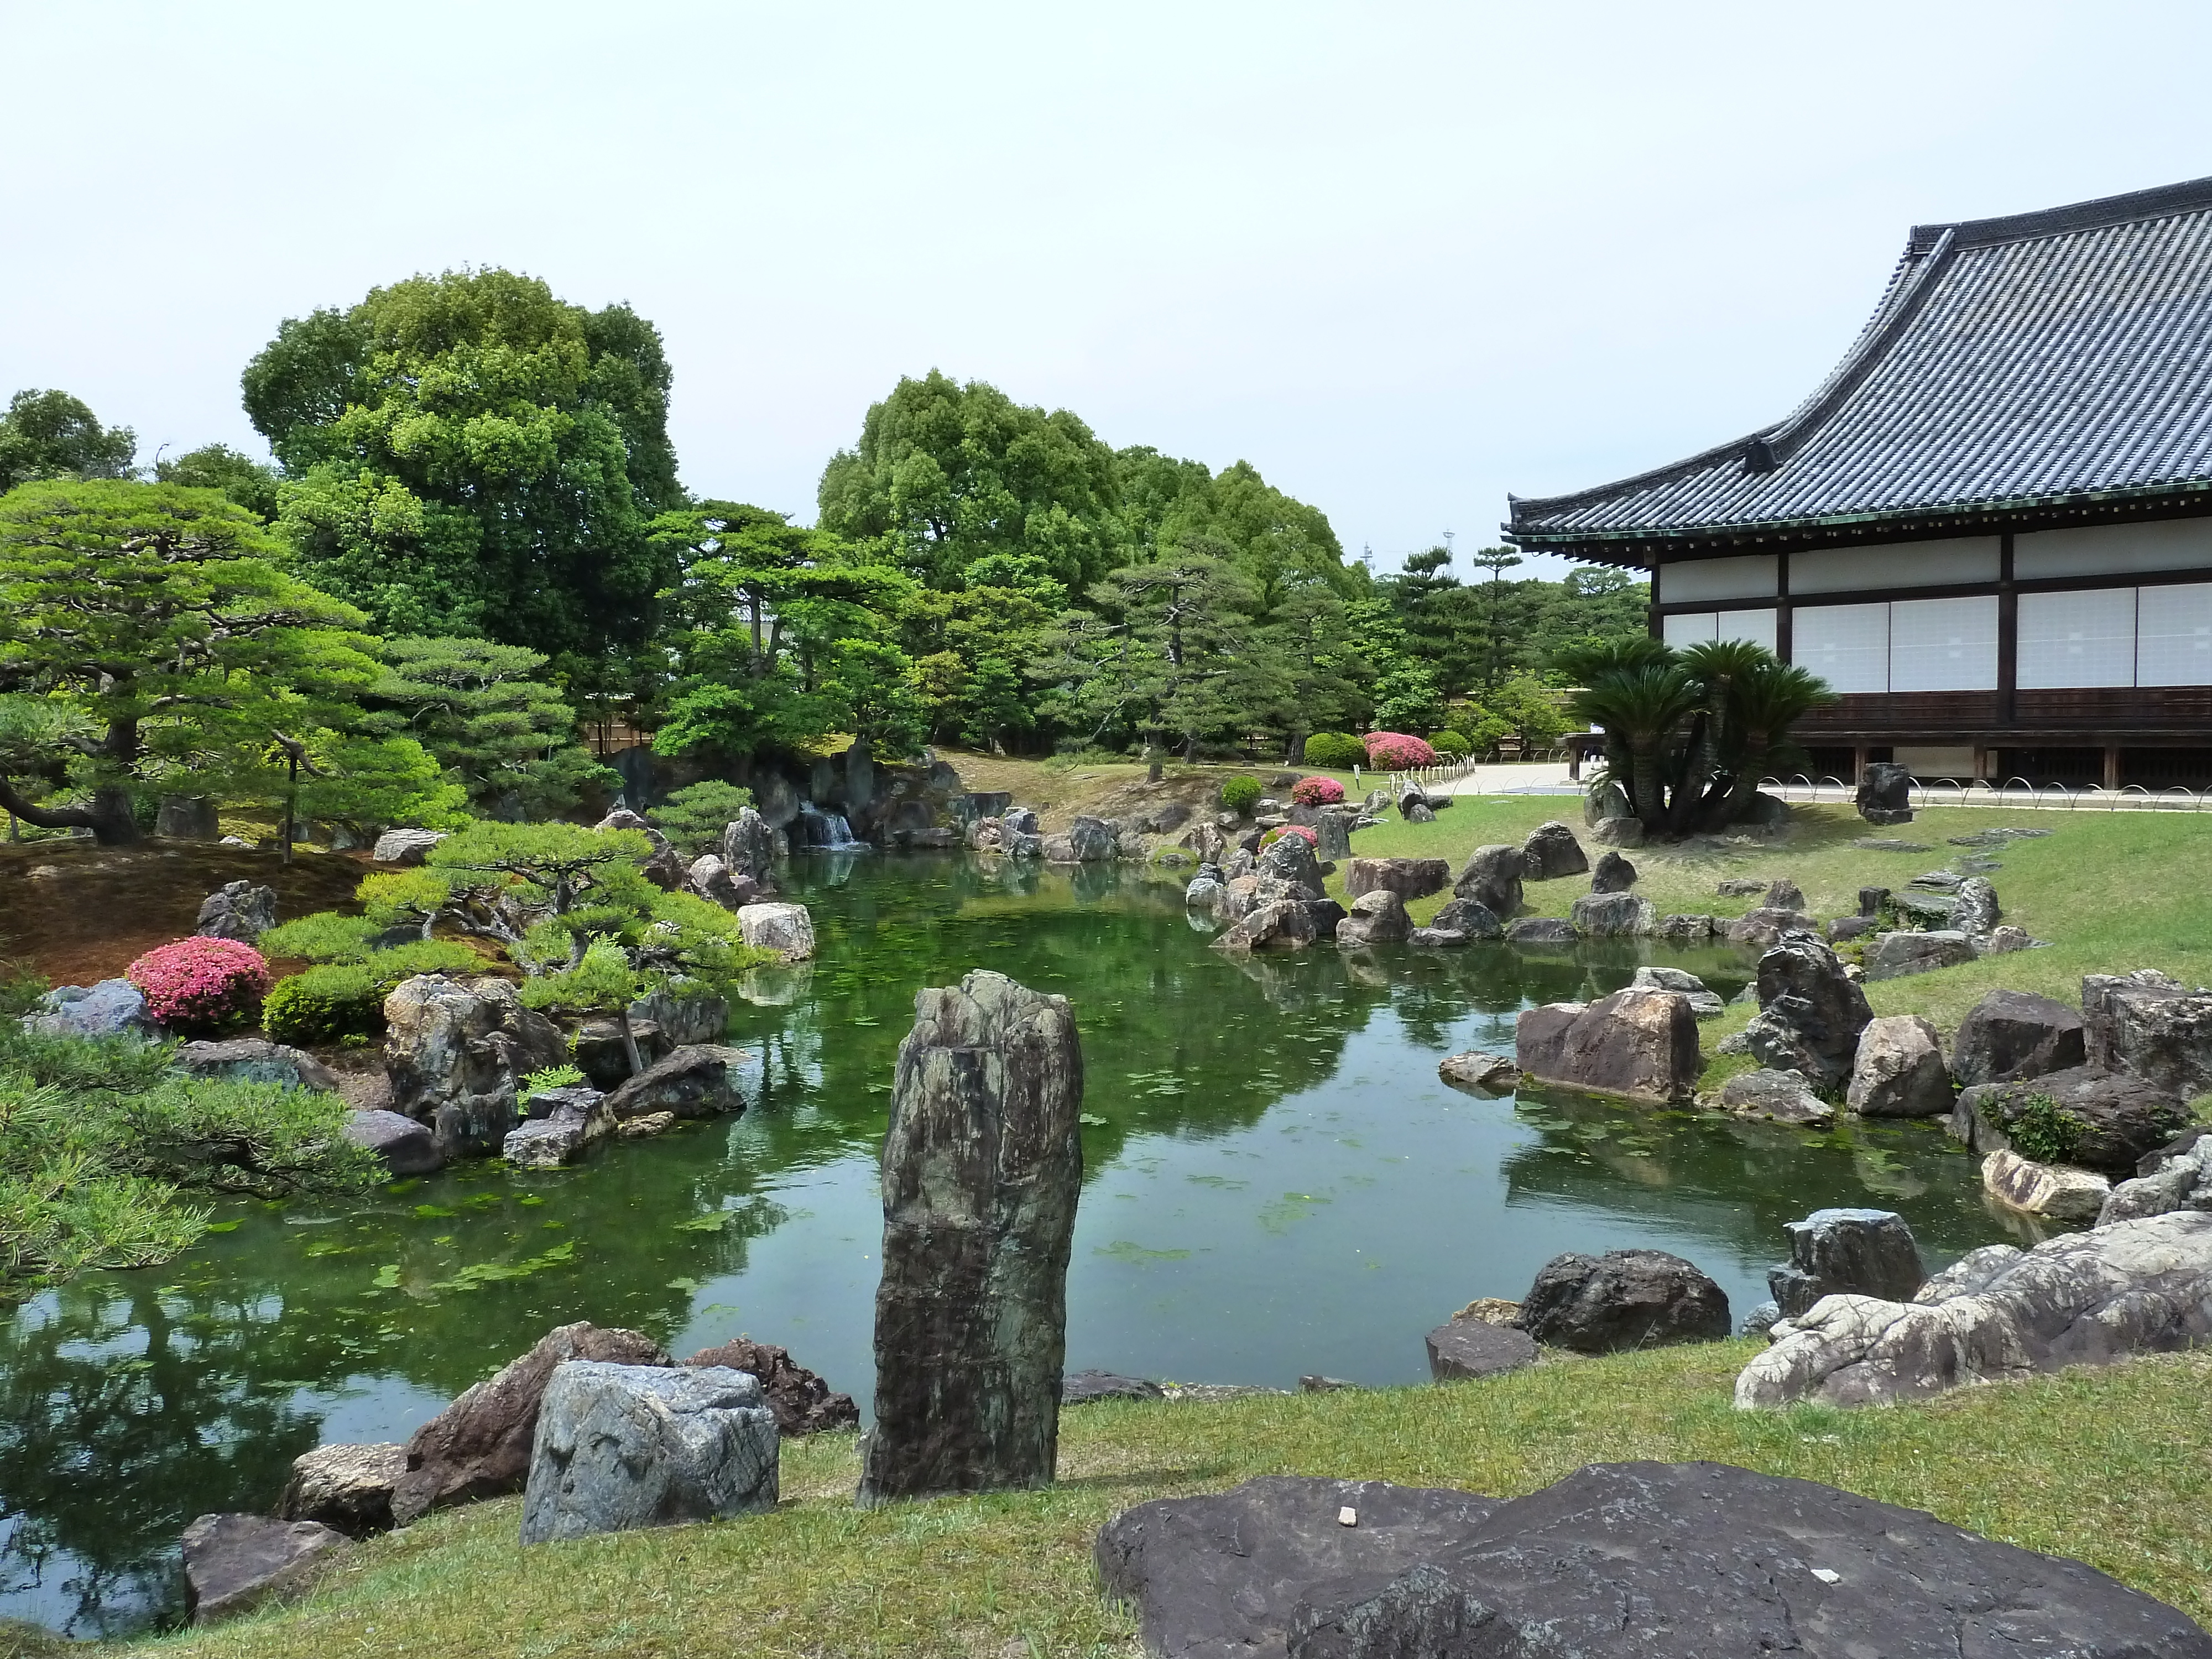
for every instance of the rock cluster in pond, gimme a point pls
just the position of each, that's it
(1552, 851)
(234, 1563)
(696, 1080)
(621, 1447)
(456, 1051)
(1622, 1299)
(2142, 1286)
(1615, 1561)
(1640, 1043)
(982, 1169)
(479, 1445)
(239, 911)
(1846, 1252)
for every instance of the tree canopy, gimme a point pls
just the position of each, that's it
(51, 435)
(469, 454)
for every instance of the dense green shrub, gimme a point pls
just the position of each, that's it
(1334, 751)
(694, 818)
(324, 936)
(1241, 794)
(328, 1004)
(2043, 1130)
(1451, 744)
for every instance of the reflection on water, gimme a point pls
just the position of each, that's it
(1279, 1184)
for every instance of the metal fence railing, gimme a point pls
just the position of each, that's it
(2016, 792)
(1426, 775)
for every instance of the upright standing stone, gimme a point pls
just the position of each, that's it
(982, 1171)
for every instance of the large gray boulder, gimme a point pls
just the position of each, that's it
(749, 846)
(1897, 1070)
(2152, 1025)
(1464, 915)
(1551, 852)
(621, 1447)
(709, 877)
(238, 910)
(981, 1168)
(234, 1563)
(785, 929)
(1376, 918)
(480, 1445)
(1622, 1299)
(2175, 1177)
(1617, 832)
(1709, 1561)
(1291, 858)
(682, 1013)
(1465, 1349)
(1087, 841)
(2010, 1035)
(346, 1488)
(456, 1050)
(1222, 1575)
(696, 1080)
(2113, 1120)
(1762, 929)
(1643, 1044)
(253, 1060)
(564, 1124)
(1491, 877)
(1977, 913)
(1612, 915)
(1333, 827)
(407, 1147)
(2080, 1299)
(1811, 1012)
(1703, 1003)
(1893, 955)
(113, 1007)
(1847, 1252)
(1409, 879)
(405, 846)
(1274, 925)
(1776, 1097)
(188, 817)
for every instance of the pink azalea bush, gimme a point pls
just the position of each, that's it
(201, 984)
(1316, 791)
(1311, 837)
(1398, 751)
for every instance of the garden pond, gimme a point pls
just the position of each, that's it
(1276, 1183)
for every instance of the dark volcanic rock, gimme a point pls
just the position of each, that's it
(2122, 1120)
(1707, 1561)
(233, 1562)
(1376, 918)
(693, 1081)
(1491, 877)
(1406, 877)
(1218, 1576)
(1810, 1013)
(1541, 930)
(408, 1148)
(240, 911)
(1622, 1299)
(1467, 1348)
(801, 1401)
(479, 1446)
(1847, 1253)
(1083, 1387)
(1466, 916)
(1551, 852)
(982, 1169)
(1613, 874)
(2151, 1026)
(2011, 1035)
(1885, 794)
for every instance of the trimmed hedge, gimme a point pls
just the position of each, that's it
(1335, 751)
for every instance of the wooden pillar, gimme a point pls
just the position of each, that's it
(1785, 629)
(2008, 635)
(1859, 764)
(2112, 766)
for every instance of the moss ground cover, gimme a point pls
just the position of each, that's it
(2111, 1466)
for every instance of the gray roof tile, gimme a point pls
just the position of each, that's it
(2024, 359)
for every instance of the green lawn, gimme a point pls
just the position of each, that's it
(2111, 890)
(2113, 1467)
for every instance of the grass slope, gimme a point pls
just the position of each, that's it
(2112, 1466)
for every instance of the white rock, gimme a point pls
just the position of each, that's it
(2051, 1190)
(785, 929)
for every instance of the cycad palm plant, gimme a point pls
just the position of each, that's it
(1763, 705)
(1643, 709)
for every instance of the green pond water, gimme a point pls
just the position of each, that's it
(1276, 1182)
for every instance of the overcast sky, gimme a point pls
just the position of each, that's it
(1403, 258)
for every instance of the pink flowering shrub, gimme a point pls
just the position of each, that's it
(201, 984)
(1316, 791)
(1396, 751)
(1311, 837)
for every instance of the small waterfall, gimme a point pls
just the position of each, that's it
(818, 831)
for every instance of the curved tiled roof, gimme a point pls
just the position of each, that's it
(2038, 358)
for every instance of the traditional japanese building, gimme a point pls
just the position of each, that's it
(1990, 528)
